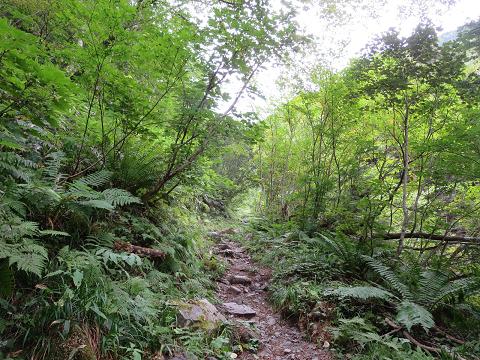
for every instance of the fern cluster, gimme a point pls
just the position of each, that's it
(414, 304)
(20, 239)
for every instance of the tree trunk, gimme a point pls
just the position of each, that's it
(405, 180)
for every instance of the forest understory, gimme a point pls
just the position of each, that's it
(145, 215)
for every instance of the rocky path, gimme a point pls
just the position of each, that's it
(243, 293)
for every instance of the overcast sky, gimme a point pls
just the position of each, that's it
(339, 41)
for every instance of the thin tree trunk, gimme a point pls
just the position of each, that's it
(405, 180)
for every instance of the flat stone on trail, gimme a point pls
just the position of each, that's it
(235, 289)
(239, 309)
(240, 279)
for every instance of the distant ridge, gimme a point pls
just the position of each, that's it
(448, 36)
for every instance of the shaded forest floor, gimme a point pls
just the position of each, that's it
(243, 292)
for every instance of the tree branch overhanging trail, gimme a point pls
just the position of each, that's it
(172, 170)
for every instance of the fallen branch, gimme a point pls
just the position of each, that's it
(414, 341)
(410, 337)
(448, 336)
(392, 324)
(435, 237)
(419, 344)
(139, 250)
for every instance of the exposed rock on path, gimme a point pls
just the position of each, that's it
(240, 310)
(199, 313)
(243, 292)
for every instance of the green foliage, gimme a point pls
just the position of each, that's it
(391, 279)
(410, 314)
(381, 351)
(17, 245)
(384, 149)
(412, 298)
(111, 132)
(358, 330)
(359, 292)
(437, 290)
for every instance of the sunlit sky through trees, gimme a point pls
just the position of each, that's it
(340, 29)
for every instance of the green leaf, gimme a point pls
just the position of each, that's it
(77, 278)
(66, 327)
(54, 273)
(97, 311)
(410, 314)
(359, 292)
(119, 197)
(98, 178)
(10, 144)
(97, 204)
(389, 276)
(53, 233)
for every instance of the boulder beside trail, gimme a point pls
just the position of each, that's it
(200, 313)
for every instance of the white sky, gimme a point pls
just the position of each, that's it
(337, 43)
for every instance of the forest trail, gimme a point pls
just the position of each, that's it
(243, 293)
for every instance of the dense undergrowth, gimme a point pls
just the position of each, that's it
(369, 191)
(111, 137)
(363, 301)
(117, 133)
(84, 299)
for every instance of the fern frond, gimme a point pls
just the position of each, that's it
(29, 256)
(7, 140)
(388, 276)
(16, 165)
(27, 228)
(8, 204)
(16, 159)
(360, 292)
(102, 239)
(451, 290)
(430, 285)
(28, 262)
(435, 288)
(53, 164)
(18, 229)
(5, 250)
(53, 233)
(13, 169)
(97, 179)
(97, 204)
(78, 189)
(120, 197)
(410, 314)
(336, 246)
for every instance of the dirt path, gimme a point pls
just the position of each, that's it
(245, 283)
